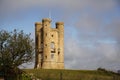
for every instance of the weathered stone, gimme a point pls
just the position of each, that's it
(49, 45)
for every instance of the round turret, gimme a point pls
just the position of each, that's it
(38, 29)
(46, 24)
(60, 61)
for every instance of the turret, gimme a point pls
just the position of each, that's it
(38, 28)
(46, 23)
(60, 27)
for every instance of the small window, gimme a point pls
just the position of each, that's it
(52, 45)
(42, 45)
(58, 53)
(52, 35)
(58, 49)
(52, 56)
(46, 34)
(45, 44)
(41, 57)
(46, 57)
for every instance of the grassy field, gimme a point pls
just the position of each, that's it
(48, 74)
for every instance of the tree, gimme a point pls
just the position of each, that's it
(16, 48)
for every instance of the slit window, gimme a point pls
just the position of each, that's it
(42, 45)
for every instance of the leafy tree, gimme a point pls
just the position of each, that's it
(16, 48)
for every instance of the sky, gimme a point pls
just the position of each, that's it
(92, 28)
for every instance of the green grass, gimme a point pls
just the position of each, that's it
(49, 74)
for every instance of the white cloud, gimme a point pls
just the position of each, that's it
(85, 57)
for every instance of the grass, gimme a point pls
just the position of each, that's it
(53, 74)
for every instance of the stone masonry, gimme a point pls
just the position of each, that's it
(49, 44)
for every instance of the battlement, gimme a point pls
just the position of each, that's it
(59, 23)
(38, 23)
(46, 20)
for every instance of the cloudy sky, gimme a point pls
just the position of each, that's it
(92, 28)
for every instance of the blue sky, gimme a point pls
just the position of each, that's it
(92, 28)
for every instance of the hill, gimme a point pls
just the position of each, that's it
(48, 74)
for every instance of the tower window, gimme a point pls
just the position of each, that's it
(46, 57)
(52, 45)
(52, 35)
(52, 56)
(58, 53)
(41, 44)
(41, 57)
(58, 49)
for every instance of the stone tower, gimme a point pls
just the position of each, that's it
(49, 44)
